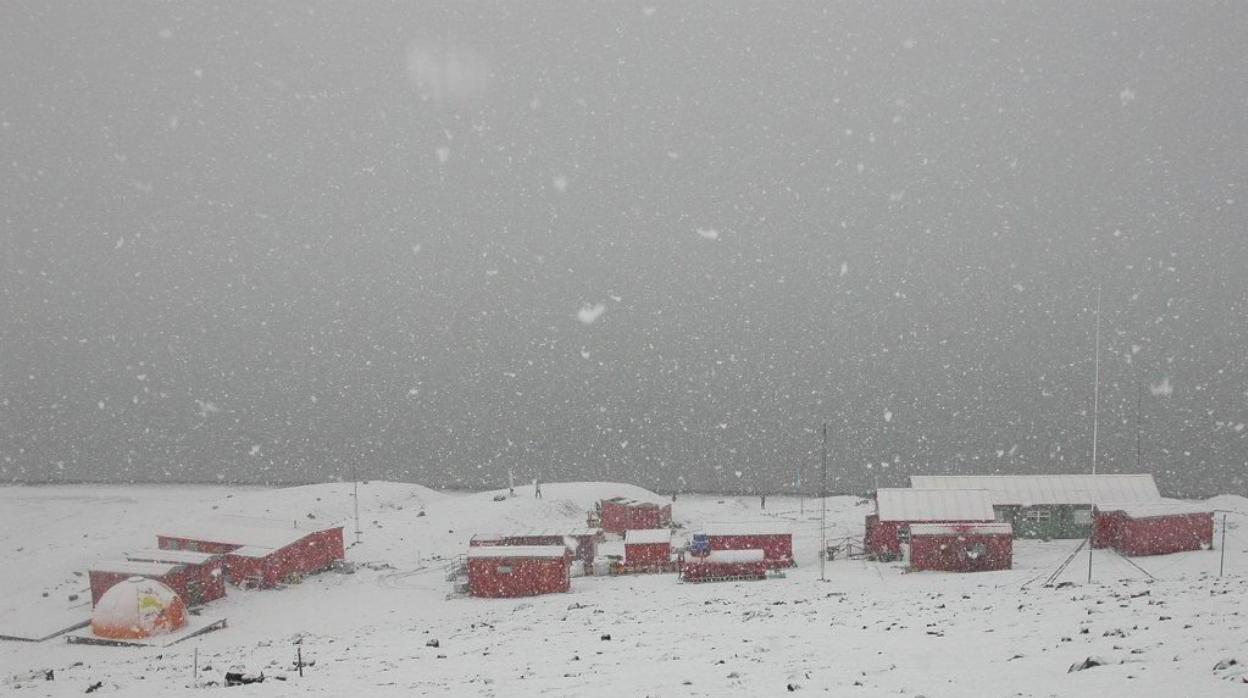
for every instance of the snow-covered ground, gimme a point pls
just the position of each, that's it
(869, 629)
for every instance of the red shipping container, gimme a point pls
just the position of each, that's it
(650, 547)
(962, 547)
(1153, 529)
(725, 565)
(511, 571)
(774, 538)
(620, 514)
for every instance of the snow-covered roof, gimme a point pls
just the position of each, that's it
(184, 557)
(254, 551)
(630, 502)
(986, 529)
(539, 533)
(648, 535)
(748, 528)
(512, 551)
(244, 530)
(754, 555)
(1148, 510)
(1031, 490)
(156, 569)
(901, 504)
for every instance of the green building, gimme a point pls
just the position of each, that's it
(1048, 506)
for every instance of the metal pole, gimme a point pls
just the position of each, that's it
(1090, 537)
(355, 484)
(801, 491)
(1096, 403)
(1096, 386)
(300, 661)
(195, 670)
(823, 509)
(1222, 561)
(1139, 400)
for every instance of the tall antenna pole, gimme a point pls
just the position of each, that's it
(1139, 403)
(355, 494)
(1096, 386)
(1096, 403)
(1222, 560)
(823, 509)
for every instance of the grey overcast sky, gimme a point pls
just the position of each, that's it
(653, 243)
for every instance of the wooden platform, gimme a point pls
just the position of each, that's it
(194, 628)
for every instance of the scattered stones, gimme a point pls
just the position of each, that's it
(1088, 663)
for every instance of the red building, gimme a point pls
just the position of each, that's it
(725, 565)
(521, 570)
(261, 553)
(648, 549)
(897, 508)
(965, 547)
(1152, 529)
(104, 575)
(582, 542)
(774, 538)
(205, 572)
(621, 514)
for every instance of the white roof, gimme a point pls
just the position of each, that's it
(539, 533)
(244, 530)
(648, 535)
(900, 504)
(156, 569)
(185, 557)
(630, 502)
(987, 529)
(754, 555)
(1031, 490)
(1146, 510)
(749, 528)
(509, 551)
(252, 551)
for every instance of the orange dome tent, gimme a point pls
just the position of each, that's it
(138, 608)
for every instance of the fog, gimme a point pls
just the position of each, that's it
(658, 243)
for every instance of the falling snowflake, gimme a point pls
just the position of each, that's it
(708, 233)
(589, 313)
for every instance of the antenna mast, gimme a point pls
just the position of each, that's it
(1096, 403)
(823, 509)
(1096, 386)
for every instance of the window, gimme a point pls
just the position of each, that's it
(1038, 516)
(504, 569)
(1082, 517)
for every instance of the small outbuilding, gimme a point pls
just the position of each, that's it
(648, 549)
(204, 572)
(1152, 529)
(582, 542)
(963, 547)
(896, 509)
(518, 570)
(620, 514)
(726, 565)
(774, 538)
